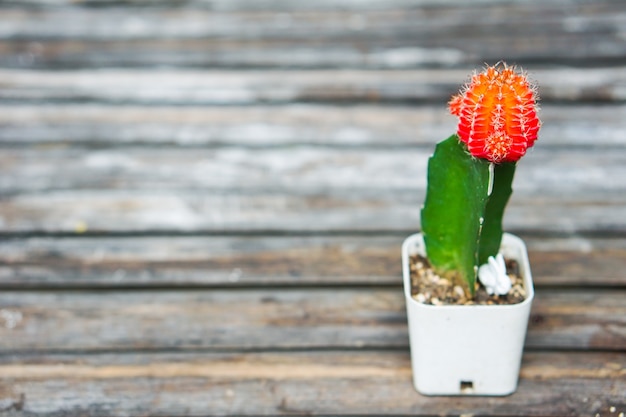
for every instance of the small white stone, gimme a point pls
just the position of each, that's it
(493, 276)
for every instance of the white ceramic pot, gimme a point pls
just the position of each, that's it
(467, 350)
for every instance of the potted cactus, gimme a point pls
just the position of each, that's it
(468, 285)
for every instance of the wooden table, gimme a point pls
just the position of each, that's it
(202, 202)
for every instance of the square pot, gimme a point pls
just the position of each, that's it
(467, 350)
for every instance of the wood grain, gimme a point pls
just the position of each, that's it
(262, 5)
(579, 384)
(291, 170)
(236, 87)
(395, 21)
(223, 261)
(309, 211)
(260, 126)
(67, 190)
(578, 319)
(404, 34)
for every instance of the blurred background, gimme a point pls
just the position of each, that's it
(293, 116)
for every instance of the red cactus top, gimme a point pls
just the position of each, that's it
(497, 114)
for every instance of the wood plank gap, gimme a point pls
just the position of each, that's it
(523, 233)
(66, 287)
(335, 101)
(25, 354)
(105, 145)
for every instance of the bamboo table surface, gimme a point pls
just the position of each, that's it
(202, 202)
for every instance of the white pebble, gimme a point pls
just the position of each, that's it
(493, 276)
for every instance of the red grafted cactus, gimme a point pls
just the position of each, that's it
(497, 113)
(470, 174)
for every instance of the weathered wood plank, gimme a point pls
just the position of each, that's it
(340, 210)
(285, 189)
(545, 171)
(580, 319)
(259, 126)
(214, 54)
(328, 383)
(250, 87)
(603, 17)
(265, 5)
(397, 36)
(251, 54)
(261, 260)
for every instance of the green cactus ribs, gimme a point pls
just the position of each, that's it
(462, 214)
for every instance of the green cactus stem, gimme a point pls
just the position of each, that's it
(462, 214)
(491, 233)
